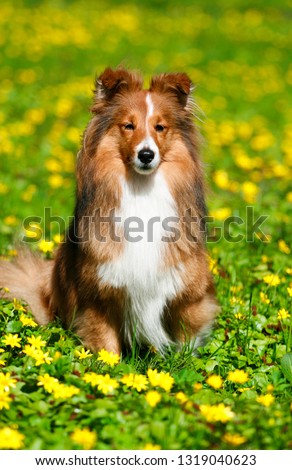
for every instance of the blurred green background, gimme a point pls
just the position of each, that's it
(236, 52)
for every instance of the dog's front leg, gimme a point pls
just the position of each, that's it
(98, 330)
(191, 322)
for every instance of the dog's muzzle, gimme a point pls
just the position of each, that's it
(146, 161)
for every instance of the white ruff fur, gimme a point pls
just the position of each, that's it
(140, 269)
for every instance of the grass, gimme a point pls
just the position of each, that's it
(237, 392)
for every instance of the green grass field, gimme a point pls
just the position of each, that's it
(237, 393)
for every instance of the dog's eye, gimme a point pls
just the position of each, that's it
(129, 126)
(159, 128)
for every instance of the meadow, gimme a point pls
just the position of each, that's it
(236, 393)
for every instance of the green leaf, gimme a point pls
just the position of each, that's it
(286, 364)
(186, 376)
(261, 380)
(210, 365)
(248, 395)
(7, 311)
(158, 429)
(14, 326)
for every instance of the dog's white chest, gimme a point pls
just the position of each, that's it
(147, 208)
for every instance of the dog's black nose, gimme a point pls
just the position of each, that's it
(146, 155)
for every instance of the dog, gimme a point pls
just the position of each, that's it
(134, 263)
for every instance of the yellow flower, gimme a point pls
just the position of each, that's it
(27, 195)
(234, 439)
(36, 341)
(272, 279)
(244, 389)
(26, 321)
(64, 391)
(108, 357)
(44, 358)
(238, 376)
(92, 378)
(34, 231)
(283, 314)
(262, 141)
(64, 107)
(264, 298)
(153, 397)
(4, 399)
(56, 181)
(284, 247)
(38, 355)
(213, 265)
(47, 382)
(266, 400)
(6, 382)
(153, 377)
(244, 162)
(214, 413)
(83, 354)
(18, 306)
(10, 220)
(30, 351)
(160, 379)
(136, 381)
(53, 165)
(3, 188)
(239, 315)
(236, 300)
(215, 381)
(59, 390)
(250, 191)
(45, 246)
(12, 340)
(198, 386)
(104, 383)
(73, 134)
(58, 238)
(150, 446)
(221, 214)
(244, 130)
(221, 179)
(36, 116)
(84, 437)
(181, 397)
(236, 289)
(289, 290)
(27, 76)
(57, 355)
(166, 381)
(10, 438)
(265, 237)
(107, 384)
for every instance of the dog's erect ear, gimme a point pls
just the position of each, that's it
(111, 82)
(177, 84)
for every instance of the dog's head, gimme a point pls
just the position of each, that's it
(141, 127)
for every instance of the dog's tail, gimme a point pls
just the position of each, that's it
(28, 278)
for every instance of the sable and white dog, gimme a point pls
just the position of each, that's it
(134, 262)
